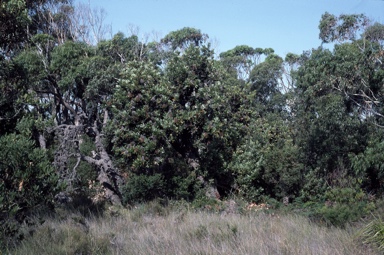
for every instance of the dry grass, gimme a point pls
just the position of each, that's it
(159, 231)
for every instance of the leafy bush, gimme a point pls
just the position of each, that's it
(341, 214)
(27, 181)
(342, 206)
(266, 163)
(182, 122)
(141, 188)
(313, 188)
(369, 165)
(146, 187)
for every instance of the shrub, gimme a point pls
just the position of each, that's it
(343, 205)
(27, 181)
(266, 163)
(141, 188)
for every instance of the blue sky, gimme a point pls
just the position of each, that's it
(284, 25)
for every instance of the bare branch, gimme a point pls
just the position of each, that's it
(88, 25)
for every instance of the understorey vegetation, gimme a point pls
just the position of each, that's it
(89, 123)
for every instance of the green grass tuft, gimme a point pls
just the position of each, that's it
(373, 233)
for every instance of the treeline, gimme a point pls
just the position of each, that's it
(130, 121)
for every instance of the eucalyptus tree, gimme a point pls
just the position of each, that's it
(265, 79)
(341, 28)
(361, 88)
(327, 128)
(291, 64)
(361, 54)
(88, 25)
(185, 37)
(242, 59)
(257, 172)
(21, 20)
(338, 98)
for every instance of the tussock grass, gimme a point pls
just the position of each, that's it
(156, 230)
(373, 233)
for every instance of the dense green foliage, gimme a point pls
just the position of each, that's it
(28, 181)
(128, 121)
(179, 124)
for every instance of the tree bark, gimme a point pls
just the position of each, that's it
(108, 175)
(109, 184)
(42, 142)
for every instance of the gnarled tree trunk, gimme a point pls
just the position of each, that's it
(108, 175)
(69, 137)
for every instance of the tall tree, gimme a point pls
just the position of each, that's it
(361, 54)
(266, 78)
(342, 28)
(88, 25)
(328, 124)
(243, 59)
(362, 89)
(20, 20)
(181, 124)
(183, 38)
(69, 88)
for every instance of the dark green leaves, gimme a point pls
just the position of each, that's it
(27, 180)
(243, 59)
(185, 120)
(184, 37)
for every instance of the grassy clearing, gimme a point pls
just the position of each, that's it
(152, 229)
